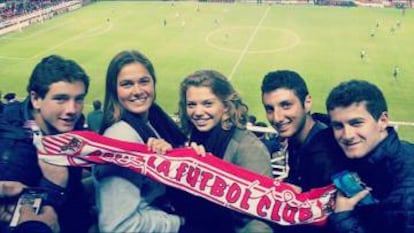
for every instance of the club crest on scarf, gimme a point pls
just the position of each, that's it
(74, 146)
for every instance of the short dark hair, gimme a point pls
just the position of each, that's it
(252, 119)
(97, 104)
(10, 96)
(54, 69)
(357, 91)
(285, 79)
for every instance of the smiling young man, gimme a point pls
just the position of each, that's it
(287, 103)
(57, 88)
(360, 125)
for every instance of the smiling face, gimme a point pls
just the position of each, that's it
(60, 108)
(135, 88)
(285, 112)
(356, 130)
(203, 108)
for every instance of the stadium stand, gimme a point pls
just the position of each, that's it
(16, 15)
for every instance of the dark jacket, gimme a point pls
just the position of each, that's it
(94, 120)
(32, 227)
(72, 207)
(311, 163)
(315, 162)
(389, 171)
(321, 158)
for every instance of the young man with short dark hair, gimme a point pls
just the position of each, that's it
(360, 125)
(287, 102)
(57, 88)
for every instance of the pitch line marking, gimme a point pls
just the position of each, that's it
(248, 44)
(92, 32)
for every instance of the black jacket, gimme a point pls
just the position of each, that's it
(389, 171)
(314, 164)
(72, 208)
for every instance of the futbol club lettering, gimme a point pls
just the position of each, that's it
(208, 177)
(228, 192)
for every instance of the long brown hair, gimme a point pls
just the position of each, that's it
(112, 108)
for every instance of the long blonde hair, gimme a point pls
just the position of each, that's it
(220, 87)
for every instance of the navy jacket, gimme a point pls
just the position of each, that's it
(389, 171)
(73, 210)
(315, 162)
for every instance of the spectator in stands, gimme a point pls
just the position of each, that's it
(260, 135)
(94, 118)
(214, 116)
(360, 124)
(57, 88)
(270, 141)
(11, 98)
(251, 120)
(288, 104)
(128, 201)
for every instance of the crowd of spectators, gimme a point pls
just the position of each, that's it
(12, 8)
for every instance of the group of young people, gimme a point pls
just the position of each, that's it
(356, 136)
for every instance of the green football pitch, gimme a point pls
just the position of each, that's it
(243, 41)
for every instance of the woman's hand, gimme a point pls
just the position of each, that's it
(158, 145)
(199, 149)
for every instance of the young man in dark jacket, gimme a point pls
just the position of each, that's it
(360, 124)
(56, 89)
(287, 102)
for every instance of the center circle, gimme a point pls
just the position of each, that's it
(266, 39)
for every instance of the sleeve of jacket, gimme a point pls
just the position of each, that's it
(32, 227)
(130, 213)
(321, 160)
(251, 153)
(345, 222)
(121, 205)
(398, 207)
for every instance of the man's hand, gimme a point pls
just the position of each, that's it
(8, 189)
(343, 203)
(46, 215)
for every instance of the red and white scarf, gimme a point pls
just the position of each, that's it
(208, 177)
